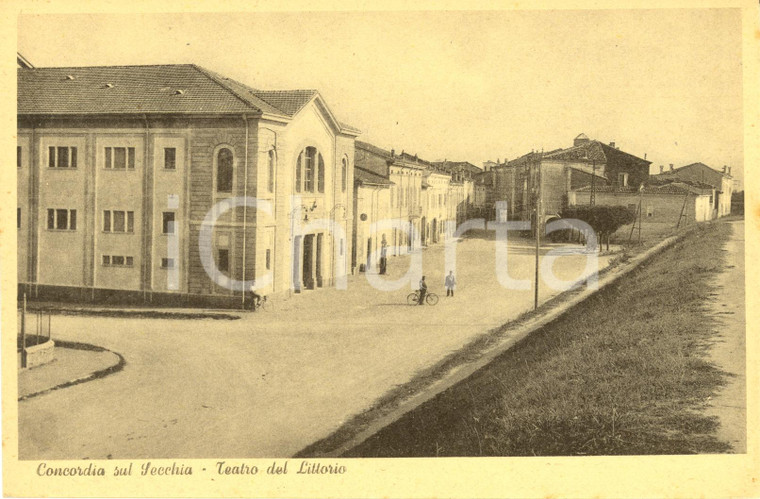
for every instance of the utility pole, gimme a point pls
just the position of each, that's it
(538, 227)
(592, 201)
(641, 198)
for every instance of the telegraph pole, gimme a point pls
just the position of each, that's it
(538, 227)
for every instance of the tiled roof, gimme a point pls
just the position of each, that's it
(455, 166)
(349, 127)
(159, 89)
(127, 89)
(366, 146)
(671, 188)
(367, 177)
(289, 101)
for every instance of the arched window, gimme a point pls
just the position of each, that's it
(310, 171)
(344, 174)
(320, 174)
(270, 170)
(224, 170)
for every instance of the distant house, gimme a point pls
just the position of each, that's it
(587, 162)
(372, 203)
(672, 204)
(721, 181)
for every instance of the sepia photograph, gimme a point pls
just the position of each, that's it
(260, 244)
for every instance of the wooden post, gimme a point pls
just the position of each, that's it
(538, 232)
(641, 198)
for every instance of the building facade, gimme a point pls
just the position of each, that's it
(175, 183)
(586, 163)
(721, 181)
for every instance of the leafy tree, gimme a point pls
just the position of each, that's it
(605, 220)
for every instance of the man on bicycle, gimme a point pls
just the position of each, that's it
(423, 291)
(255, 298)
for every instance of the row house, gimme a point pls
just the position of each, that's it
(404, 176)
(415, 201)
(171, 182)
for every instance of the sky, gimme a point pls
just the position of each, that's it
(463, 86)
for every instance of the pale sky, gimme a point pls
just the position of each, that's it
(465, 86)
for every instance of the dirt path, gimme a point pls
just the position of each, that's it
(729, 352)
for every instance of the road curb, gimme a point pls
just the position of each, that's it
(137, 313)
(100, 373)
(521, 330)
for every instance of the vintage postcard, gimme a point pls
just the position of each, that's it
(272, 251)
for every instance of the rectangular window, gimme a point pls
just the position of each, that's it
(168, 223)
(223, 260)
(120, 158)
(269, 259)
(18, 156)
(623, 179)
(118, 261)
(61, 157)
(170, 158)
(61, 219)
(167, 263)
(118, 221)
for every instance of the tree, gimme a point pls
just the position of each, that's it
(605, 220)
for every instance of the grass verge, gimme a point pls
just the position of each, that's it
(622, 373)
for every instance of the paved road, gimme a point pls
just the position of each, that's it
(729, 349)
(271, 383)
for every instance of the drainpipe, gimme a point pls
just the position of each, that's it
(34, 242)
(147, 248)
(245, 206)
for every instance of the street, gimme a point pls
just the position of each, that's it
(728, 351)
(273, 382)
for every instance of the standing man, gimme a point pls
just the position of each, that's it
(383, 255)
(451, 282)
(423, 291)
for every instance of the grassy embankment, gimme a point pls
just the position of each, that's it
(623, 373)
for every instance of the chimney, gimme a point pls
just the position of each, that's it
(725, 168)
(393, 153)
(662, 168)
(729, 170)
(671, 166)
(612, 144)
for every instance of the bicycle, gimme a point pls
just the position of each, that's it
(262, 304)
(414, 298)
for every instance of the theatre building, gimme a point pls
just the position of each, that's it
(175, 184)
